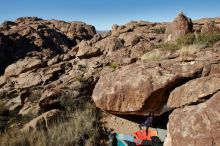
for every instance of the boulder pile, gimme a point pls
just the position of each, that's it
(134, 69)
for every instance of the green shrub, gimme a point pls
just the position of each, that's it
(2, 106)
(187, 39)
(208, 39)
(114, 65)
(78, 78)
(81, 67)
(168, 46)
(160, 30)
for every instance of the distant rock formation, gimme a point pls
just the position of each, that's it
(180, 26)
(210, 27)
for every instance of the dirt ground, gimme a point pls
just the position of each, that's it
(118, 124)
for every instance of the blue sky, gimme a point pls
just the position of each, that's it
(103, 13)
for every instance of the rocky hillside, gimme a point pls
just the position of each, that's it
(134, 69)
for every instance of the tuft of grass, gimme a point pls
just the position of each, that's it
(76, 128)
(114, 65)
(81, 67)
(152, 56)
(78, 78)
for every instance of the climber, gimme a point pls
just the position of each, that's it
(148, 123)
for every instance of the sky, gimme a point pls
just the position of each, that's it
(104, 13)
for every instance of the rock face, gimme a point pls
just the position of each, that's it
(141, 88)
(195, 125)
(179, 27)
(34, 37)
(23, 66)
(194, 91)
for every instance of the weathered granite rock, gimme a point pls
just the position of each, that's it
(85, 50)
(194, 91)
(141, 88)
(23, 66)
(195, 125)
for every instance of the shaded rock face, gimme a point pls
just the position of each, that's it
(195, 125)
(23, 66)
(4, 114)
(180, 26)
(31, 36)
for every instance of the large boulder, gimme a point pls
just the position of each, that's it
(196, 125)
(85, 50)
(24, 65)
(181, 26)
(194, 91)
(141, 88)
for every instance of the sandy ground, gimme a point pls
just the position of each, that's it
(118, 124)
(124, 126)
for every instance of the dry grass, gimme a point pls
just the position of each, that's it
(3, 123)
(77, 128)
(190, 49)
(167, 46)
(152, 56)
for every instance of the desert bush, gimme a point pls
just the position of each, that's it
(187, 39)
(3, 116)
(114, 65)
(160, 30)
(209, 39)
(151, 56)
(81, 67)
(2, 106)
(190, 49)
(79, 78)
(74, 128)
(168, 46)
